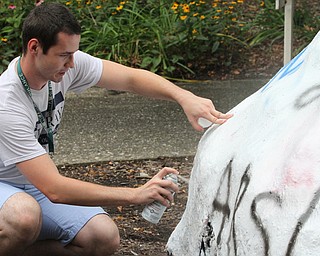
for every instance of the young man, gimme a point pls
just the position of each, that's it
(42, 212)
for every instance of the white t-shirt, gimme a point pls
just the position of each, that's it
(22, 136)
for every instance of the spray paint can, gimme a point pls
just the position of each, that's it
(154, 211)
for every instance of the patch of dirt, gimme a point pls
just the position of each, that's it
(138, 236)
(262, 61)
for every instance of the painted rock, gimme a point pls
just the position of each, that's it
(255, 183)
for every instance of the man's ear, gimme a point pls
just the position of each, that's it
(33, 46)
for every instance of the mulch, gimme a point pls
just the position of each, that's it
(138, 236)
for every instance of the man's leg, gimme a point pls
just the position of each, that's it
(73, 230)
(99, 236)
(20, 222)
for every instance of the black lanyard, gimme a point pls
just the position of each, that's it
(46, 126)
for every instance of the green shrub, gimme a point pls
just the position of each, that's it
(267, 24)
(165, 36)
(11, 17)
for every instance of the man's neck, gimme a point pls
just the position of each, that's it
(35, 82)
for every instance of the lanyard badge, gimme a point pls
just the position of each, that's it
(45, 125)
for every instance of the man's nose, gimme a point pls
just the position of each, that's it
(70, 62)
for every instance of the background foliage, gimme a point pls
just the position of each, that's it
(166, 36)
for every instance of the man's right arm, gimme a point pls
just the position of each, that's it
(42, 173)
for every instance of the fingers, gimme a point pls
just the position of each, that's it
(165, 171)
(202, 114)
(165, 197)
(219, 118)
(215, 117)
(167, 184)
(162, 190)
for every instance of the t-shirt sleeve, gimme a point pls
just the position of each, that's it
(86, 73)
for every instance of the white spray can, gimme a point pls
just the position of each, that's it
(154, 211)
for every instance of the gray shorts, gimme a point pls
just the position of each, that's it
(59, 221)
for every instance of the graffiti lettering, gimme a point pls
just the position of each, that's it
(257, 220)
(223, 206)
(302, 220)
(308, 97)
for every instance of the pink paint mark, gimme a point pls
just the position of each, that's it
(296, 178)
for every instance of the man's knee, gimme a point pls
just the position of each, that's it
(107, 238)
(101, 235)
(113, 238)
(109, 243)
(20, 218)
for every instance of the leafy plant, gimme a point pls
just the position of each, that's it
(165, 36)
(10, 22)
(268, 24)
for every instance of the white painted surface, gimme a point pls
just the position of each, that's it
(255, 184)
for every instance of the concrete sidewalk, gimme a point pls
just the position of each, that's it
(98, 126)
